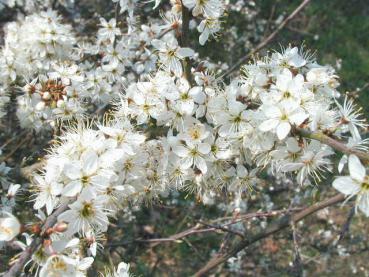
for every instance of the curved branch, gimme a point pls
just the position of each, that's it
(275, 227)
(266, 41)
(335, 144)
(26, 255)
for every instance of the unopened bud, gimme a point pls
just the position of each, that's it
(35, 229)
(61, 227)
(60, 103)
(40, 106)
(47, 243)
(46, 96)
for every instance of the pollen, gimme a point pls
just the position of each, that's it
(58, 264)
(87, 210)
(365, 184)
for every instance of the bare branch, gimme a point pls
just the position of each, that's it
(184, 41)
(26, 255)
(223, 228)
(340, 146)
(266, 41)
(273, 228)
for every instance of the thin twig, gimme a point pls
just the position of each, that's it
(346, 227)
(266, 41)
(223, 228)
(26, 255)
(273, 228)
(16, 147)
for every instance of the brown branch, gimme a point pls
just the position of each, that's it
(212, 228)
(26, 255)
(335, 144)
(266, 41)
(184, 42)
(275, 227)
(28, 171)
(223, 228)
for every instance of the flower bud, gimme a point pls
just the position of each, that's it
(60, 103)
(40, 106)
(61, 227)
(9, 226)
(46, 96)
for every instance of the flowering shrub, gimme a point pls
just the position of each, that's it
(171, 124)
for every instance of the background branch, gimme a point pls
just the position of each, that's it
(184, 42)
(333, 143)
(266, 41)
(275, 227)
(26, 255)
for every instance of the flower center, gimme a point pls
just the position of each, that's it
(85, 180)
(237, 119)
(195, 134)
(284, 117)
(365, 184)
(5, 230)
(171, 53)
(286, 94)
(87, 210)
(194, 152)
(58, 264)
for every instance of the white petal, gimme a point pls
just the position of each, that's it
(198, 95)
(85, 263)
(268, 125)
(90, 162)
(189, 3)
(241, 171)
(185, 52)
(73, 170)
(159, 44)
(201, 164)
(298, 118)
(72, 189)
(357, 170)
(291, 167)
(181, 151)
(364, 203)
(272, 111)
(292, 145)
(342, 163)
(49, 206)
(186, 163)
(204, 148)
(346, 185)
(203, 37)
(283, 130)
(67, 216)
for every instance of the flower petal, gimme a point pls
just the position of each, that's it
(357, 170)
(346, 185)
(283, 130)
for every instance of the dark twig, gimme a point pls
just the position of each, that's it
(346, 227)
(184, 41)
(266, 41)
(273, 228)
(223, 228)
(297, 269)
(26, 255)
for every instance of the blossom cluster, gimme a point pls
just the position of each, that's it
(32, 44)
(57, 95)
